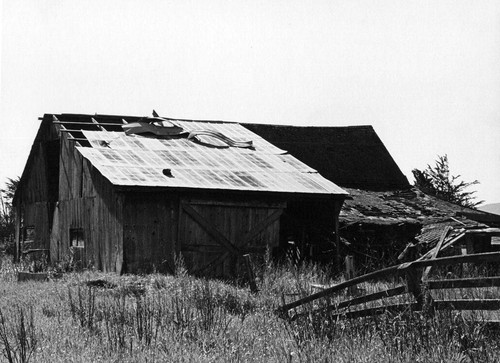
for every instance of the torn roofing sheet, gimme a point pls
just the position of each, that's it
(181, 163)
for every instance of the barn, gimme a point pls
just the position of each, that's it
(132, 194)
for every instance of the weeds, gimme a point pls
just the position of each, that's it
(18, 337)
(117, 322)
(414, 333)
(212, 316)
(82, 307)
(148, 319)
(183, 318)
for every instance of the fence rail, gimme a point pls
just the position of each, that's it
(416, 284)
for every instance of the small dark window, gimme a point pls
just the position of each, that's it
(29, 234)
(76, 237)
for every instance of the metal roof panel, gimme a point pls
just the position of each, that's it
(134, 160)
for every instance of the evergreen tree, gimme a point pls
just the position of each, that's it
(437, 180)
(7, 213)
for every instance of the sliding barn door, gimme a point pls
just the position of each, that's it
(213, 236)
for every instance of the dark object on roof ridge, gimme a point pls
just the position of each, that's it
(350, 156)
(141, 127)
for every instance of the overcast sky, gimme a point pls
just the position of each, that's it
(425, 74)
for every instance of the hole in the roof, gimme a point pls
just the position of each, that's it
(104, 143)
(167, 173)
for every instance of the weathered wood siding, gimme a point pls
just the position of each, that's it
(37, 192)
(202, 250)
(35, 185)
(35, 205)
(89, 202)
(36, 216)
(157, 229)
(150, 232)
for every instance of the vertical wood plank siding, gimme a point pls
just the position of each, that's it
(88, 201)
(234, 221)
(150, 232)
(37, 192)
(37, 215)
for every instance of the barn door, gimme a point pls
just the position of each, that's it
(214, 236)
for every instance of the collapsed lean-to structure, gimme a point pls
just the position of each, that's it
(383, 213)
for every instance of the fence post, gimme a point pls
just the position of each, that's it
(250, 273)
(350, 272)
(413, 279)
(349, 267)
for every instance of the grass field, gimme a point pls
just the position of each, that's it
(157, 318)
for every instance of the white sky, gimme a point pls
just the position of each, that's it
(425, 74)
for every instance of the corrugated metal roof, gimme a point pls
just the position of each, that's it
(136, 160)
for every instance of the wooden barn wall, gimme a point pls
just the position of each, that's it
(36, 216)
(89, 202)
(150, 232)
(35, 205)
(157, 229)
(37, 192)
(234, 220)
(39, 179)
(35, 186)
(74, 214)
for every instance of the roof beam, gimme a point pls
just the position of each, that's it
(85, 123)
(99, 126)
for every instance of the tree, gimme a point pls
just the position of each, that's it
(7, 212)
(438, 181)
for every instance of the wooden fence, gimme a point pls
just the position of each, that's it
(414, 283)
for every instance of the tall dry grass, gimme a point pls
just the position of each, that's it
(92, 316)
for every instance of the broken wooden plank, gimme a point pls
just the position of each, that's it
(446, 245)
(435, 251)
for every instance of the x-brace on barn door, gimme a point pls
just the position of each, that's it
(213, 236)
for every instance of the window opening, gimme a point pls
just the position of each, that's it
(29, 234)
(76, 237)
